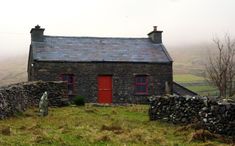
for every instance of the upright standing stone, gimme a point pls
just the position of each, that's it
(43, 105)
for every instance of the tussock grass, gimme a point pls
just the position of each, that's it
(91, 125)
(201, 135)
(6, 131)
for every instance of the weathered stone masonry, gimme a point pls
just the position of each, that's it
(123, 74)
(106, 69)
(18, 97)
(217, 116)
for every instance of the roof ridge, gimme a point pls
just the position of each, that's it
(93, 37)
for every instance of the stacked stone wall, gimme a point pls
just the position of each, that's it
(18, 97)
(213, 115)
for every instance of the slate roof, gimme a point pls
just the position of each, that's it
(88, 49)
(182, 91)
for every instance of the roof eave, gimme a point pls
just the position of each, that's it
(69, 61)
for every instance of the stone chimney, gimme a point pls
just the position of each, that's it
(37, 34)
(155, 36)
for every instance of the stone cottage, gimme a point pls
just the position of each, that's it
(103, 69)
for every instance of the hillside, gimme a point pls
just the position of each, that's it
(189, 66)
(13, 70)
(189, 59)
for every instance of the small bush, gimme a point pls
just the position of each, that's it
(79, 101)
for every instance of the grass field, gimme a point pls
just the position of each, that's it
(205, 88)
(89, 125)
(191, 82)
(187, 78)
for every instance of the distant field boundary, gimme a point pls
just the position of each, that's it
(195, 83)
(199, 83)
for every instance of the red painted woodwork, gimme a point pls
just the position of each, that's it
(69, 78)
(141, 84)
(105, 89)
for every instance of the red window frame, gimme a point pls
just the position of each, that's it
(62, 76)
(137, 83)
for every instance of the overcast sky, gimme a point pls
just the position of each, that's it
(183, 21)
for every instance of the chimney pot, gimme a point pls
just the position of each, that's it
(154, 28)
(37, 26)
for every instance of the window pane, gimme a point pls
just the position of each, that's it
(141, 89)
(141, 79)
(70, 82)
(65, 77)
(70, 79)
(141, 84)
(70, 92)
(70, 88)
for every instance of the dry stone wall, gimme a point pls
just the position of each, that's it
(215, 116)
(18, 97)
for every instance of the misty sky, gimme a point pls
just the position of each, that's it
(183, 21)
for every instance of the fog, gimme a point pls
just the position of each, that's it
(184, 22)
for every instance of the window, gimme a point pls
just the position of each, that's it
(141, 84)
(69, 78)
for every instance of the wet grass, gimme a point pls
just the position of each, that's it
(187, 78)
(202, 88)
(191, 81)
(89, 125)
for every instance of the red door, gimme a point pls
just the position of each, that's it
(105, 89)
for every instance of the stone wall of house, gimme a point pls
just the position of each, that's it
(123, 78)
(18, 97)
